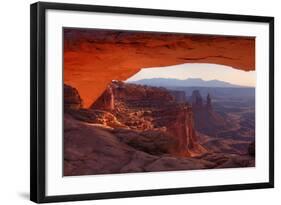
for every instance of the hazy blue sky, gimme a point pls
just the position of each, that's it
(199, 70)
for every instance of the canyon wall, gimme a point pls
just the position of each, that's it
(146, 108)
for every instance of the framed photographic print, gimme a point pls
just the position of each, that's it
(129, 102)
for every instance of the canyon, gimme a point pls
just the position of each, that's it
(138, 128)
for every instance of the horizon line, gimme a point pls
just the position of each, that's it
(245, 86)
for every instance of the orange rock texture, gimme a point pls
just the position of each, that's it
(93, 58)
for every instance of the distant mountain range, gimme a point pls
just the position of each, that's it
(190, 82)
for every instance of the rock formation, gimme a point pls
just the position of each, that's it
(207, 120)
(178, 95)
(92, 58)
(105, 101)
(196, 99)
(91, 149)
(72, 99)
(209, 102)
(134, 128)
(148, 108)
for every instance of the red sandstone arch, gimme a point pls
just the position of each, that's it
(92, 58)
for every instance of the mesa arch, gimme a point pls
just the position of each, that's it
(92, 58)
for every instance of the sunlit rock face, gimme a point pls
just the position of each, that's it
(92, 58)
(151, 109)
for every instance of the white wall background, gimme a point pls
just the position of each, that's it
(14, 100)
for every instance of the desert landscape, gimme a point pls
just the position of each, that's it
(115, 123)
(137, 128)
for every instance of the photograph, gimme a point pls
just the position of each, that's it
(134, 102)
(144, 101)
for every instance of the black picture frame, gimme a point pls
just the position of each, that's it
(38, 101)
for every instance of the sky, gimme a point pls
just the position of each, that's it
(204, 71)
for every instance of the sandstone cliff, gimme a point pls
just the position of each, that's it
(148, 108)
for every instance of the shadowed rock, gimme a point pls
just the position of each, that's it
(72, 99)
(207, 121)
(94, 149)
